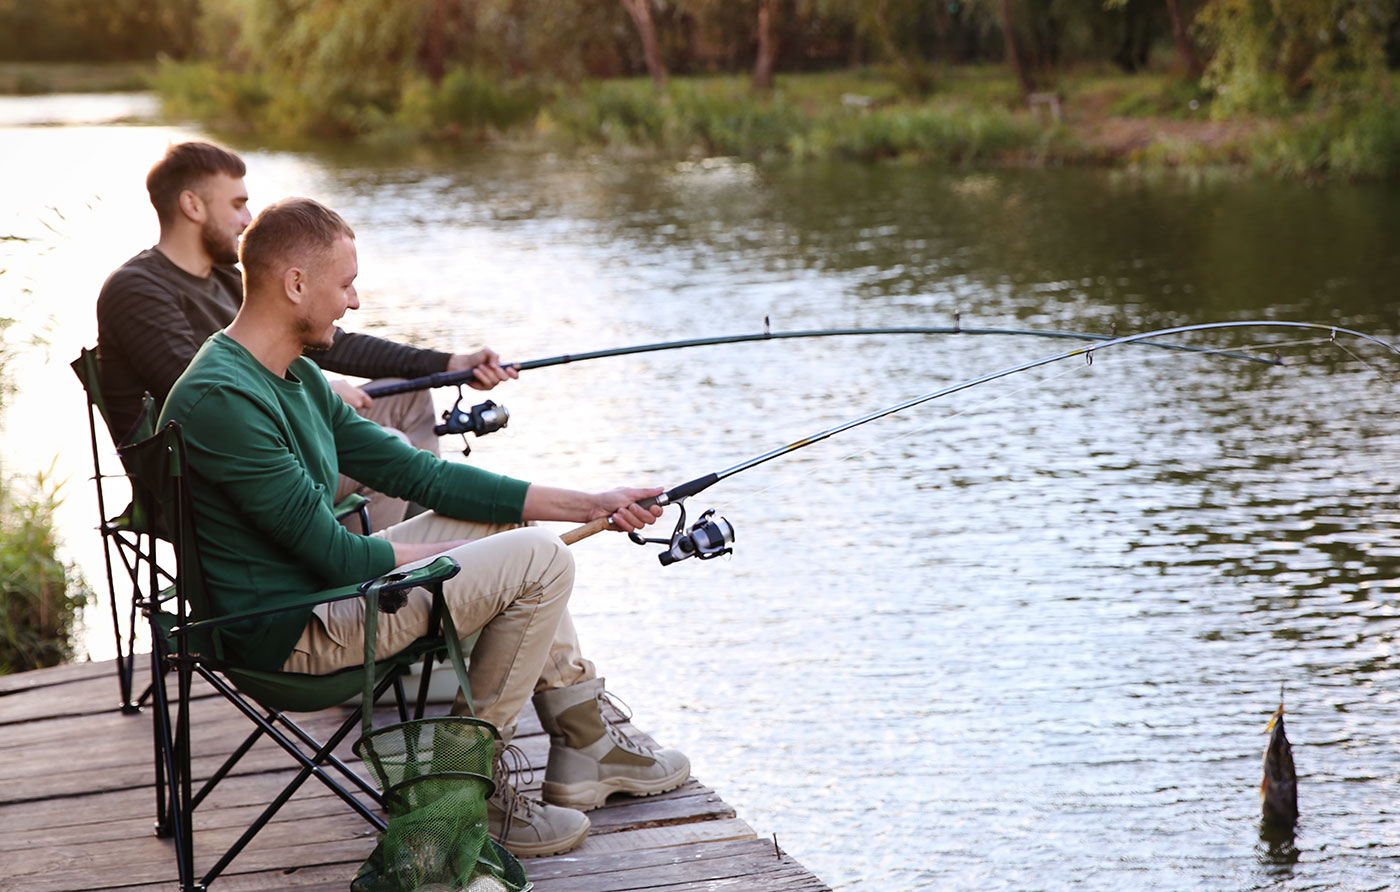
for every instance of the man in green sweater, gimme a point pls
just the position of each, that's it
(157, 308)
(266, 438)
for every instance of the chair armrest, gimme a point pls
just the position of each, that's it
(441, 568)
(348, 505)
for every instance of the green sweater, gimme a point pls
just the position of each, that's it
(265, 454)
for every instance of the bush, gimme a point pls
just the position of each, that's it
(227, 100)
(467, 101)
(1363, 145)
(41, 594)
(937, 135)
(725, 119)
(613, 113)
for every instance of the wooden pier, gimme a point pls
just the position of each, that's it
(77, 807)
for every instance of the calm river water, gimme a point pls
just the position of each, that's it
(1026, 637)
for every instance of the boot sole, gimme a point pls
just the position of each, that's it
(588, 795)
(547, 847)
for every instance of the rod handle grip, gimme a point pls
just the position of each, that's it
(578, 534)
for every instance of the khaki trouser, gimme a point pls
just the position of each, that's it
(514, 586)
(413, 416)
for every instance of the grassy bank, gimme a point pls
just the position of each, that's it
(805, 117)
(34, 78)
(970, 116)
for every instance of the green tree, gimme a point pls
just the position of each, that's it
(113, 30)
(1271, 55)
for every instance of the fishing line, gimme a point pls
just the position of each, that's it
(943, 420)
(1372, 369)
(1048, 379)
(713, 536)
(1317, 342)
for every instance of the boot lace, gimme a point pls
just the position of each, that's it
(614, 703)
(510, 760)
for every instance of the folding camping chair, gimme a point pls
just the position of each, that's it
(135, 577)
(187, 641)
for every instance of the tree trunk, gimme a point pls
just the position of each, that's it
(432, 54)
(1184, 50)
(640, 11)
(767, 45)
(1013, 53)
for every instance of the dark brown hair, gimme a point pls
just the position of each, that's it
(185, 166)
(293, 231)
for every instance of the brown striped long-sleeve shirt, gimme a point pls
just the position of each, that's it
(152, 317)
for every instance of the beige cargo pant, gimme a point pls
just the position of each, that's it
(514, 586)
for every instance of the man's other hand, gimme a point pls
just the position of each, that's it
(354, 396)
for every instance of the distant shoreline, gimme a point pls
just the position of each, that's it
(974, 117)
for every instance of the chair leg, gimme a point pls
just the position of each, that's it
(126, 663)
(400, 697)
(226, 767)
(311, 766)
(161, 745)
(186, 811)
(421, 705)
(173, 769)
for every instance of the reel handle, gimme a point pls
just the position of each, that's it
(578, 534)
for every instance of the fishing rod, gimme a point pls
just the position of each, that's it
(711, 536)
(489, 416)
(447, 379)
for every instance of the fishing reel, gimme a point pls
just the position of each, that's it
(709, 537)
(481, 419)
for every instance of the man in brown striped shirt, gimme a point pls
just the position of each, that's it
(156, 310)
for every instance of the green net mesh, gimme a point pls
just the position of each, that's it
(436, 777)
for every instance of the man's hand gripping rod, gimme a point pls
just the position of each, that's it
(709, 537)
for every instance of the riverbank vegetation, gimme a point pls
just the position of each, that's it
(1296, 88)
(40, 594)
(37, 78)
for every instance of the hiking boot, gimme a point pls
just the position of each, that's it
(527, 827)
(591, 757)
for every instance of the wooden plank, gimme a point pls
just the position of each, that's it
(77, 805)
(691, 802)
(23, 681)
(743, 864)
(636, 840)
(321, 878)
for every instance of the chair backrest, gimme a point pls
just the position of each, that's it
(137, 516)
(89, 372)
(160, 482)
(86, 368)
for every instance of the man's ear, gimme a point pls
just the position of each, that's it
(294, 284)
(191, 205)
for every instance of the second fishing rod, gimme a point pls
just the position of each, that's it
(712, 536)
(488, 416)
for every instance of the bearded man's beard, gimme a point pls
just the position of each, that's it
(220, 247)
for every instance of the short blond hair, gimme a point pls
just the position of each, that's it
(290, 232)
